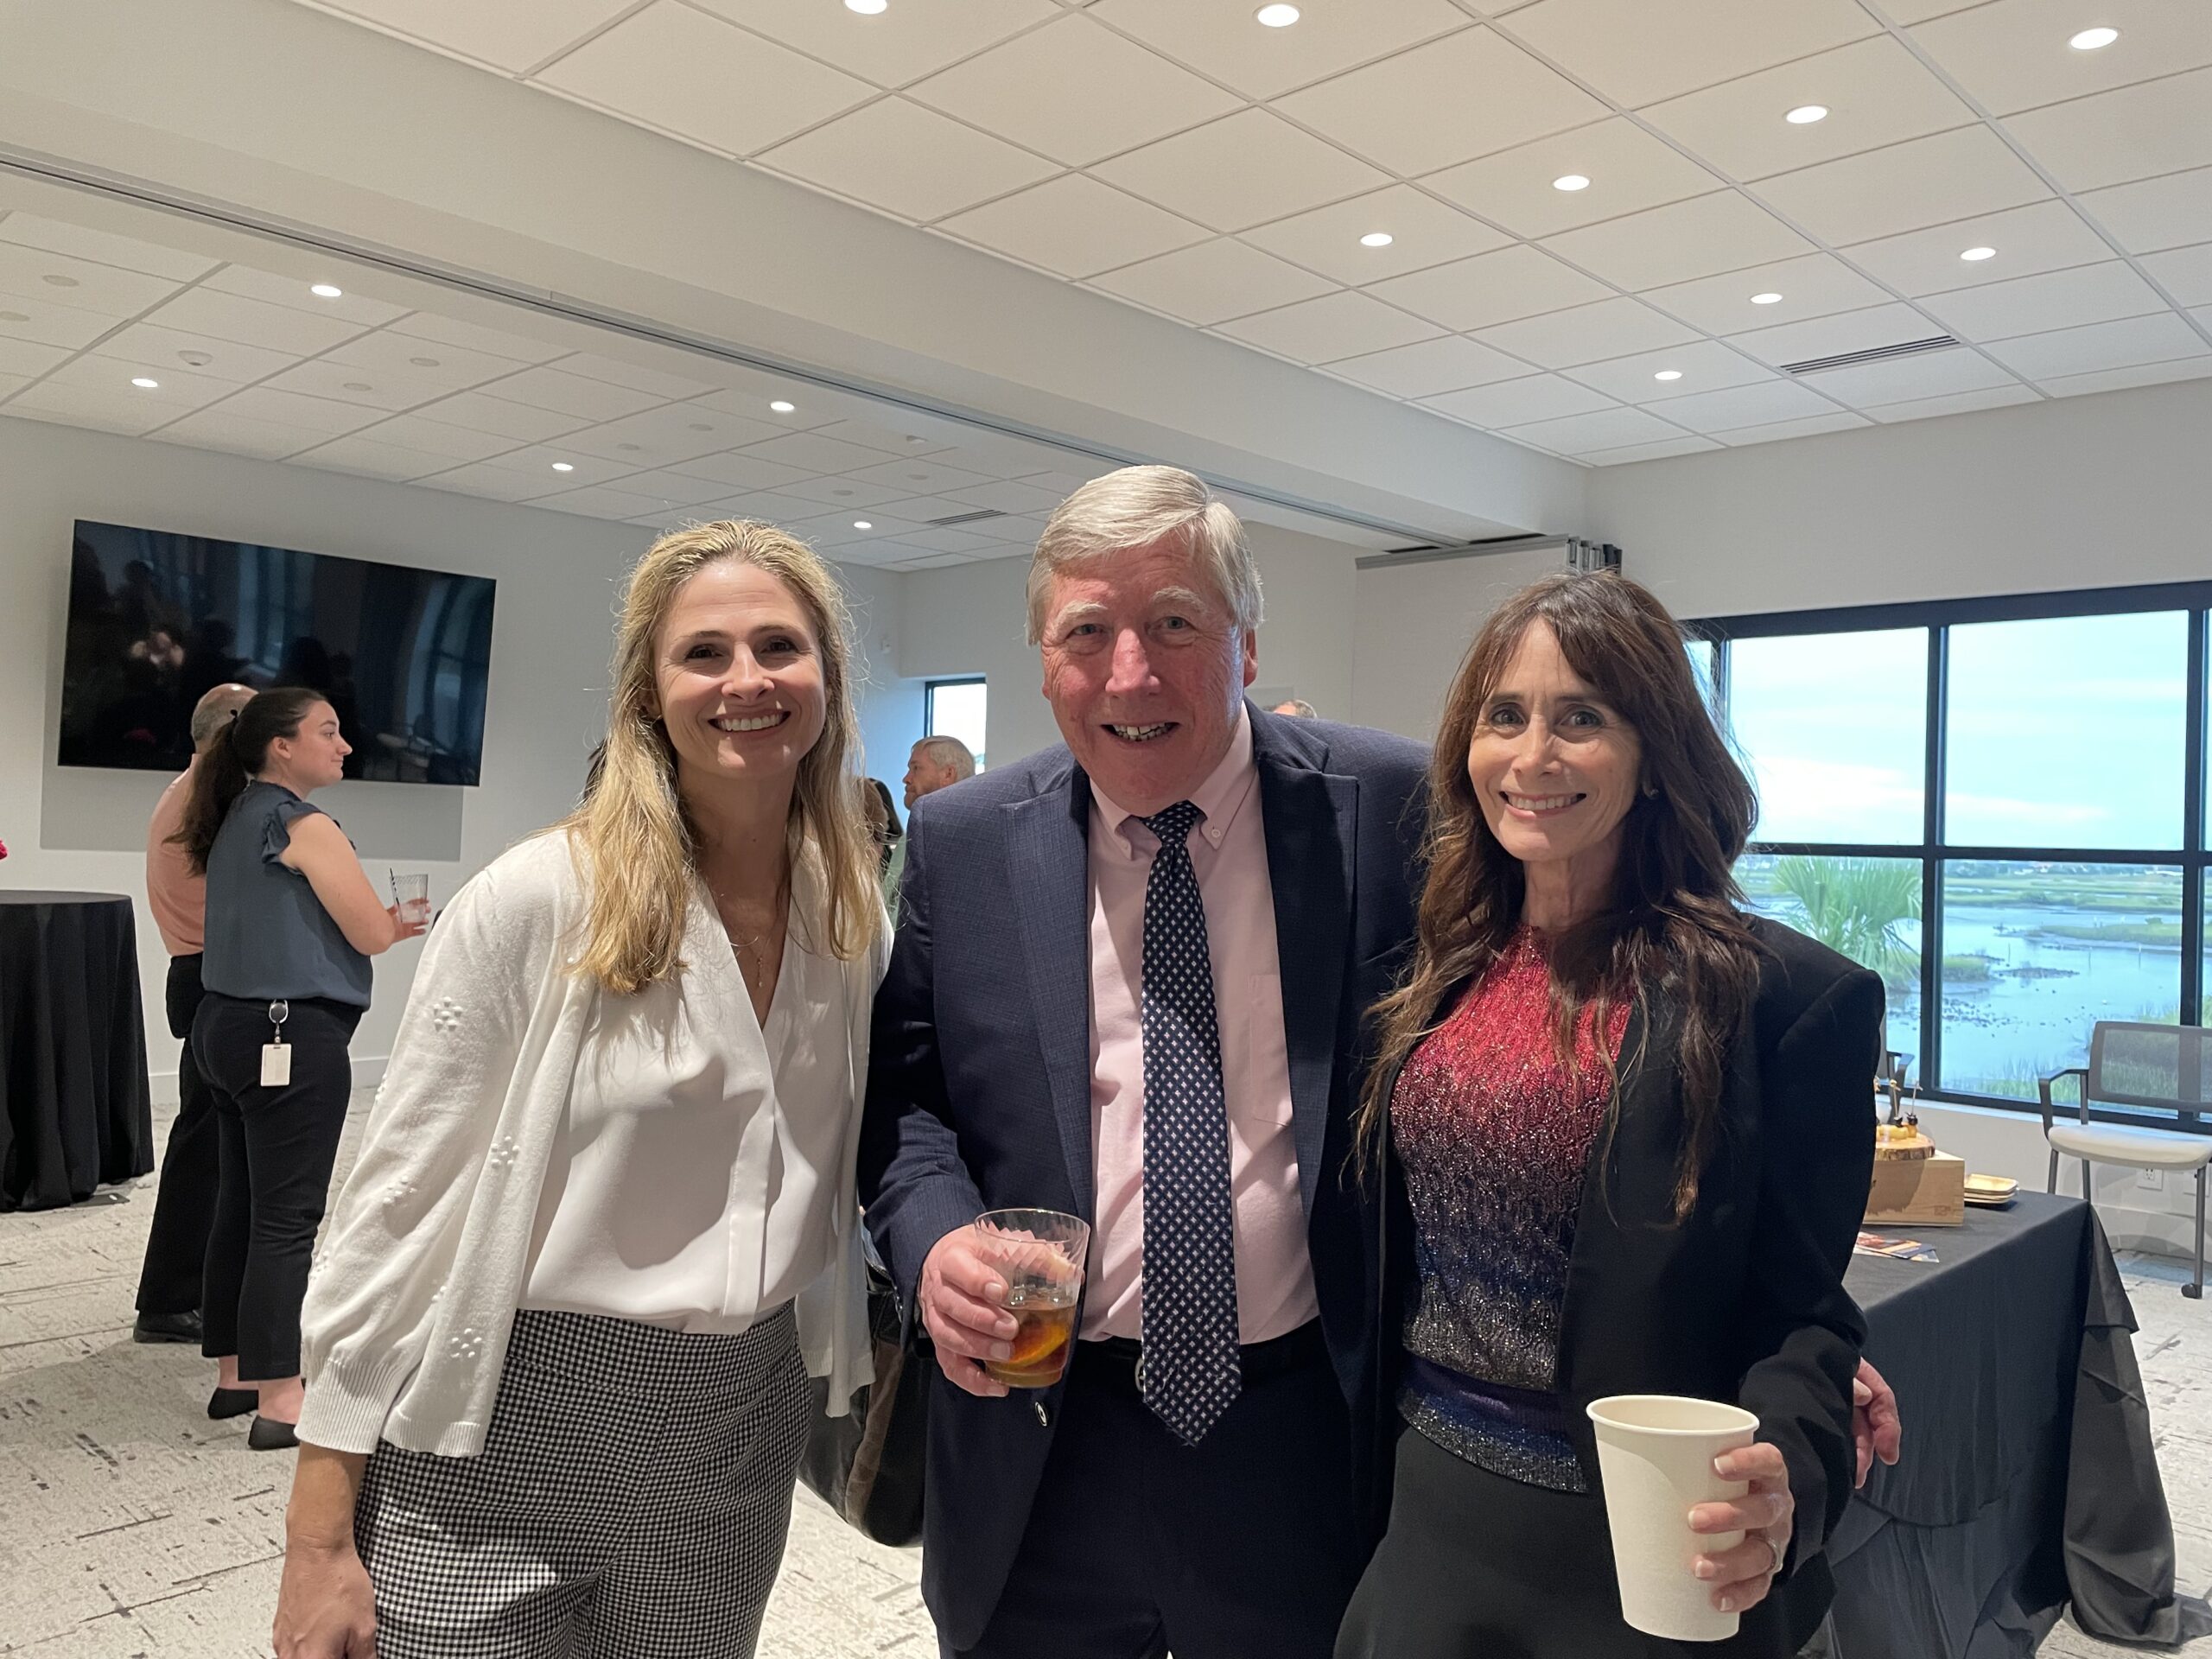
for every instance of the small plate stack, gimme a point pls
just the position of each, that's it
(1991, 1191)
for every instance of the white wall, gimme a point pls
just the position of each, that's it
(558, 576)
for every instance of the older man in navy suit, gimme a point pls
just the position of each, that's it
(1128, 986)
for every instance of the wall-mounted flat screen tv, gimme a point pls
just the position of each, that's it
(156, 617)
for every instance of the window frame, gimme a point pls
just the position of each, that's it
(1933, 851)
(929, 689)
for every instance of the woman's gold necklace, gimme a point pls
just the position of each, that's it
(752, 965)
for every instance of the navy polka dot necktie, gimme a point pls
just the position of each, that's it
(1191, 1369)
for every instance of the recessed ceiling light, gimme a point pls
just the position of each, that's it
(629, 448)
(782, 408)
(358, 385)
(1570, 182)
(700, 426)
(920, 478)
(2093, 39)
(862, 524)
(54, 279)
(424, 362)
(197, 359)
(866, 7)
(914, 438)
(146, 381)
(1668, 374)
(1377, 239)
(1766, 299)
(1805, 114)
(842, 494)
(326, 291)
(1978, 254)
(1277, 17)
(564, 467)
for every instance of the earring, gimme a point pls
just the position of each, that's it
(1651, 792)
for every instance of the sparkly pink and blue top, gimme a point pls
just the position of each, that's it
(1493, 1135)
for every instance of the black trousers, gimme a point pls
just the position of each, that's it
(184, 1199)
(277, 1147)
(1246, 1546)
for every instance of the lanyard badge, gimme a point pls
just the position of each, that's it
(277, 1053)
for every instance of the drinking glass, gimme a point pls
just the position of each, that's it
(1039, 1255)
(412, 892)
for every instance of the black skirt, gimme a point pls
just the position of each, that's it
(1475, 1565)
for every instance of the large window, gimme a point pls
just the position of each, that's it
(2000, 806)
(956, 709)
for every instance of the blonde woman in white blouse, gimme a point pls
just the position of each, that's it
(602, 1228)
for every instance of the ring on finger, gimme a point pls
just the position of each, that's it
(1774, 1548)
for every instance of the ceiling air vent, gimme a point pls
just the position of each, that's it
(1878, 355)
(964, 518)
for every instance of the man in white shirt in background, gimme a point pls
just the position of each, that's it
(184, 1202)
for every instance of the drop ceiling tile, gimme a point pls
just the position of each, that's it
(48, 323)
(2135, 132)
(101, 411)
(1635, 53)
(1609, 429)
(1514, 403)
(2013, 55)
(178, 389)
(1245, 169)
(894, 47)
(1812, 285)
(494, 342)
(103, 247)
(918, 434)
(27, 357)
(2044, 236)
(678, 71)
(2154, 213)
(912, 512)
(948, 541)
(363, 454)
(311, 417)
(1935, 181)
(565, 393)
(761, 506)
(2185, 273)
(510, 34)
(1003, 455)
(1876, 93)
(2035, 305)
(500, 418)
(1958, 403)
(536, 463)
(1586, 333)
(446, 368)
(1846, 331)
(742, 471)
(917, 477)
(159, 349)
(385, 388)
(616, 373)
(1021, 91)
(1424, 231)
(1917, 11)
(812, 453)
(907, 161)
(676, 489)
(1074, 226)
(840, 530)
(204, 310)
(1218, 39)
(1702, 237)
(297, 293)
(214, 428)
(1431, 366)
(672, 433)
(1664, 450)
(1627, 169)
(1007, 495)
(2101, 346)
(600, 501)
(1212, 282)
(934, 562)
(1490, 288)
(454, 443)
(1705, 365)
(1931, 374)
(812, 406)
(1344, 324)
(1413, 113)
(1741, 406)
(109, 290)
(2147, 374)
(494, 483)
(1811, 427)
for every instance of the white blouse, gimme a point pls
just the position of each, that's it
(693, 1176)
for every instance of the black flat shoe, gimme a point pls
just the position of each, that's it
(267, 1434)
(232, 1402)
(167, 1327)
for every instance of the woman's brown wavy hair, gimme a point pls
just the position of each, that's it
(1674, 922)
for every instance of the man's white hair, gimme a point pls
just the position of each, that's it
(949, 751)
(1134, 508)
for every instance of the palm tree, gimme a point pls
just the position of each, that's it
(1856, 905)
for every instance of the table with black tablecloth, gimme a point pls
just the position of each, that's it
(75, 1111)
(2028, 1478)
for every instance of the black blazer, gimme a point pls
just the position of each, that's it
(1743, 1300)
(979, 1073)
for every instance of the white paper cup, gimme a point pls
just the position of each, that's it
(1655, 1458)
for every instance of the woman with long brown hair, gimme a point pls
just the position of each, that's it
(602, 1228)
(1622, 1132)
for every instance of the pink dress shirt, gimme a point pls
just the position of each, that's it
(176, 896)
(1228, 854)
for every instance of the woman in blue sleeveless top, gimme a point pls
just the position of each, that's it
(292, 921)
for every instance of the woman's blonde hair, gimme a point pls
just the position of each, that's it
(632, 830)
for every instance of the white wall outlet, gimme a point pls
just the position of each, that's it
(2154, 1180)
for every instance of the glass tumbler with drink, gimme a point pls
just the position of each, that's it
(411, 894)
(1039, 1255)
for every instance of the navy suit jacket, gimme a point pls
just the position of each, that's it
(979, 1075)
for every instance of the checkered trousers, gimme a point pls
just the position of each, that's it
(631, 1502)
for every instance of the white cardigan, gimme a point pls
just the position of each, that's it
(405, 1330)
